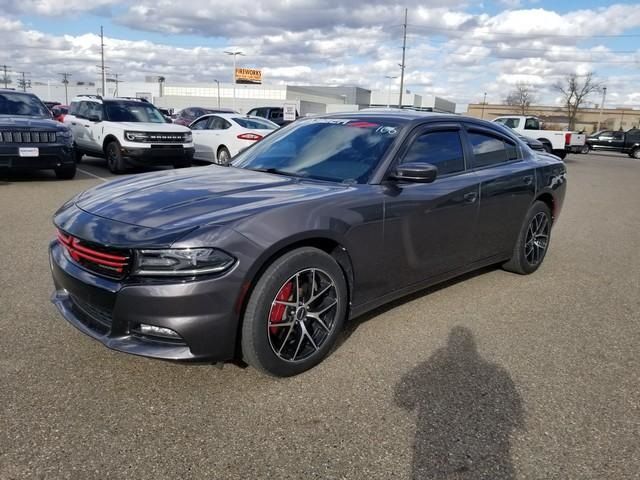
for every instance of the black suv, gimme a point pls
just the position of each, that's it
(31, 139)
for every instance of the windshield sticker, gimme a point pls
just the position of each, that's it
(363, 124)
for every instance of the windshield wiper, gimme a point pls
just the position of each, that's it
(278, 172)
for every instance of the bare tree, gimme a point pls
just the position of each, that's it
(521, 96)
(574, 90)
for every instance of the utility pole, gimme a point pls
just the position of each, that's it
(484, 102)
(604, 96)
(404, 50)
(218, 83)
(65, 81)
(102, 69)
(235, 53)
(23, 82)
(5, 77)
(116, 80)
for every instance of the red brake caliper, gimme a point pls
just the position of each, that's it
(278, 310)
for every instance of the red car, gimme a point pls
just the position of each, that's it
(59, 111)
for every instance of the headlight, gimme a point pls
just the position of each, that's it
(136, 136)
(65, 136)
(188, 138)
(181, 262)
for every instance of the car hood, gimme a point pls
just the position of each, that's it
(153, 127)
(23, 122)
(215, 195)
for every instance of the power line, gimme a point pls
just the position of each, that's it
(404, 51)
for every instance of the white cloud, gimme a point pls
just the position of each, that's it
(451, 51)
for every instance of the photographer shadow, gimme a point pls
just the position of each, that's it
(467, 408)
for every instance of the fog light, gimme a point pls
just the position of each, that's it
(157, 331)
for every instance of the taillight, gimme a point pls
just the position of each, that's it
(249, 136)
(567, 138)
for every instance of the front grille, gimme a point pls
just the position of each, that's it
(27, 136)
(165, 138)
(109, 262)
(95, 317)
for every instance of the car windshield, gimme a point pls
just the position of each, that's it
(132, 112)
(255, 123)
(22, 105)
(333, 149)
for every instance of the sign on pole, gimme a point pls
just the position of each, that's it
(248, 75)
(289, 112)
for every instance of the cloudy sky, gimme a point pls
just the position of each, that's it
(456, 49)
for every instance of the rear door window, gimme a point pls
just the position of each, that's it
(509, 122)
(491, 150)
(442, 149)
(532, 124)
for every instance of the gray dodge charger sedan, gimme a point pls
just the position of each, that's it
(266, 259)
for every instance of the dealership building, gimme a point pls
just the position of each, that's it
(309, 100)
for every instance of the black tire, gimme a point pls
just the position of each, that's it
(560, 154)
(66, 172)
(547, 147)
(77, 155)
(223, 157)
(113, 154)
(635, 153)
(183, 163)
(585, 149)
(288, 346)
(528, 255)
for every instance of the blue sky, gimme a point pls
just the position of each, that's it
(456, 49)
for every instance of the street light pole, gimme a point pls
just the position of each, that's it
(390, 78)
(235, 53)
(604, 96)
(218, 83)
(484, 102)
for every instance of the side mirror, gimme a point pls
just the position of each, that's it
(94, 118)
(418, 172)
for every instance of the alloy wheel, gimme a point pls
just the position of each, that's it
(537, 238)
(302, 315)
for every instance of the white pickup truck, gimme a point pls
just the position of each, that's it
(557, 142)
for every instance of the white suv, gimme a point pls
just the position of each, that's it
(127, 131)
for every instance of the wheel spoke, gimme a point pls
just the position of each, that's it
(288, 304)
(286, 338)
(317, 318)
(320, 312)
(320, 293)
(305, 332)
(298, 300)
(295, 354)
(280, 324)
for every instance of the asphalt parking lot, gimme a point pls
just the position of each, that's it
(495, 375)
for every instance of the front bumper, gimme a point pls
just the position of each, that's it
(201, 312)
(157, 154)
(49, 156)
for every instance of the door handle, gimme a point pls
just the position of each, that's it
(528, 180)
(470, 197)
(87, 126)
(73, 123)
